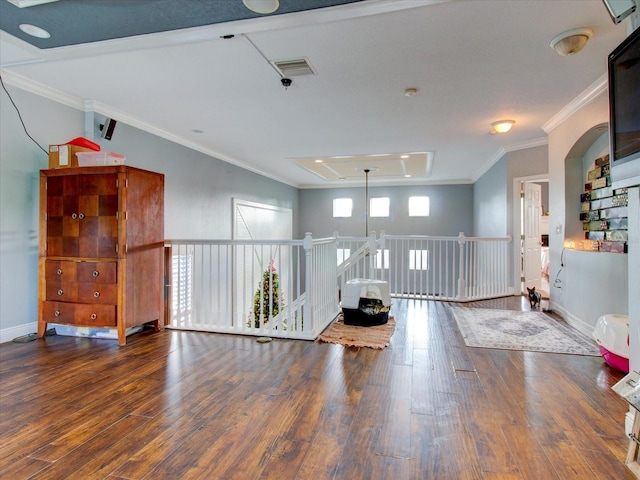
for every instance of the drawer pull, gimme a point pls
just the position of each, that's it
(60, 292)
(57, 313)
(96, 294)
(81, 216)
(74, 215)
(93, 316)
(59, 271)
(96, 273)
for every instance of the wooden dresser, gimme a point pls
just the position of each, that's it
(101, 248)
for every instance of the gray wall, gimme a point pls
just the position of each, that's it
(523, 163)
(494, 212)
(198, 188)
(451, 211)
(198, 193)
(20, 162)
(490, 202)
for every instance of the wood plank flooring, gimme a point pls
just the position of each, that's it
(188, 405)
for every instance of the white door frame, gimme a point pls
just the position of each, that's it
(517, 231)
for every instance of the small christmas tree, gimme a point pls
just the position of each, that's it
(266, 300)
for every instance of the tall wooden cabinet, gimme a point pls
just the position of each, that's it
(101, 248)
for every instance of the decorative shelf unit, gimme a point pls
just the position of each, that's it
(101, 248)
(604, 210)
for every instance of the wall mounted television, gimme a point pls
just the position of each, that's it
(624, 112)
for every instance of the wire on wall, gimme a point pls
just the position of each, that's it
(557, 283)
(20, 116)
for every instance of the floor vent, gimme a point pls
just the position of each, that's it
(294, 68)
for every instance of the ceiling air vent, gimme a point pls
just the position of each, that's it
(294, 68)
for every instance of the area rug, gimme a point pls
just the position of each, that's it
(353, 336)
(528, 331)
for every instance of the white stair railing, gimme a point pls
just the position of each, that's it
(267, 288)
(290, 288)
(445, 268)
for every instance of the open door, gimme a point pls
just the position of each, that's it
(531, 240)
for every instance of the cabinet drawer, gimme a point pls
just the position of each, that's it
(81, 272)
(82, 292)
(80, 314)
(99, 272)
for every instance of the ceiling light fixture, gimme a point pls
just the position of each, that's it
(571, 41)
(262, 7)
(34, 31)
(410, 92)
(502, 126)
(30, 3)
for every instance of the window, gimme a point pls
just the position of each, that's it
(343, 254)
(418, 259)
(418, 206)
(379, 207)
(342, 207)
(382, 259)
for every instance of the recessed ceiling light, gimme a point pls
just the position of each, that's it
(407, 176)
(34, 31)
(262, 6)
(318, 161)
(404, 156)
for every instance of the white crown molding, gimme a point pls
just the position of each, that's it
(502, 151)
(592, 91)
(73, 101)
(107, 111)
(24, 83)
(536, 142)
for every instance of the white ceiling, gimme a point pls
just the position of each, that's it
(473, 62)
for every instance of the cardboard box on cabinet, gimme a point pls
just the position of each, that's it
(64, 156)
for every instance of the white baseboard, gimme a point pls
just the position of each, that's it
(572, 320)
(8, 334)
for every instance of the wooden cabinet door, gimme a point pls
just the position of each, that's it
(82, 215)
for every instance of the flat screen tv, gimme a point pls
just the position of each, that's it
(624, 112)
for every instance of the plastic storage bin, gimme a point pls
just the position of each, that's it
(96, 159)
(612, 336)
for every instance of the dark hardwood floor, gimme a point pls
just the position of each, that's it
(183, 405)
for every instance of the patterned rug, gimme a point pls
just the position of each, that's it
(353, 336)
(528, 331)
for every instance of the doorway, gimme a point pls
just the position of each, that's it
(533, 246)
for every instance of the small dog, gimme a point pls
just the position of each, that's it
(534, 297)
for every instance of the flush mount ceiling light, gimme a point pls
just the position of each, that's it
(30, 3)
(502, 126)
(571, 41)
(263, 7)
(410, 92)
(34, 31)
